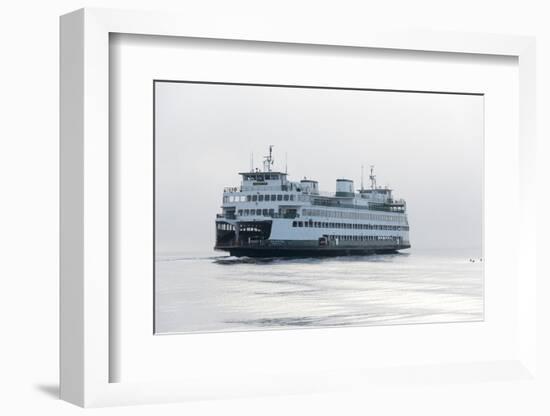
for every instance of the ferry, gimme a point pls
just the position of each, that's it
(270, 216)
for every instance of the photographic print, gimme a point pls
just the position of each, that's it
(280, 207)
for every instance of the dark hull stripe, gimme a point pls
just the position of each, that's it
(309, 251)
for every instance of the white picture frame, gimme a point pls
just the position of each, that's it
(85, 222)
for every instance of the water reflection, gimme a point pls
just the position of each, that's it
(199, 293)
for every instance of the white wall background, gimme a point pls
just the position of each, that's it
(29, 207)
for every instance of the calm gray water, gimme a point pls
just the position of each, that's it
(205, 292)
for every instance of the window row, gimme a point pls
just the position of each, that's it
(272, 197)
(234, 198)
(264, 212)
(225, 227)
(351, 215)
(349, 226)
(262, 177)
(362, 237)
(258, 198)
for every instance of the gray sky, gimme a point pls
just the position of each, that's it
(427, 147)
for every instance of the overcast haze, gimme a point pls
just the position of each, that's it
(427, 147)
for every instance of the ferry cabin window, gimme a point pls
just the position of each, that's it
(294, 223)
(246, 212)
(265, 212)
(248, 198)
(292, 197)
(254, 198)
(260, 198)
(273, 197)
(279, 197)
(286, 197)
(300, 224)
(271, 212)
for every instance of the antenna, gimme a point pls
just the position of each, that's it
(268, 162)
(286, 162)
(362, 174)
(251, 161)
(372, 177)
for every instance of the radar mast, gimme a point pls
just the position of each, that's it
(372, 177)
(268, 162)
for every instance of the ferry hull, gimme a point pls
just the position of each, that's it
(261, 251)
